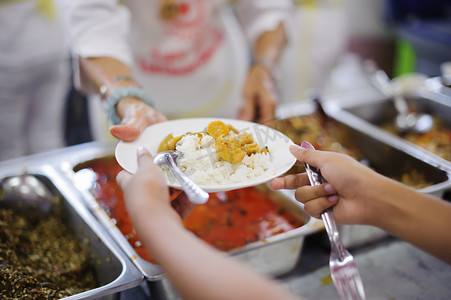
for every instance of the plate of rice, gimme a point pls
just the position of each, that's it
(216, 153)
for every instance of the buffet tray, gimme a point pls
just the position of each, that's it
(113, 270)
(387, 156)
(370, 115)
(273, 256)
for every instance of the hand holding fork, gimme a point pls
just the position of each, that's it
(343, 269)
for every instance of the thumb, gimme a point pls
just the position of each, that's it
(127, 133)
(145, 159)
(303, 155)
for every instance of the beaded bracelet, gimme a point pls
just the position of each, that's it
(124, 92)
(103, 89)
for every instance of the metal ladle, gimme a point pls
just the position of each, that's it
(28, 194)
(405, 120)
(195, 194)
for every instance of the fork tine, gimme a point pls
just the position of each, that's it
(359, 285)
(339, 287)
(353, 287)
(348, 292)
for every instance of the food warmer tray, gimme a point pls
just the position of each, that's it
(370, 113)
(113, 270)
(387, 156)
(273, 256)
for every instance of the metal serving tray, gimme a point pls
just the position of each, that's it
(273, 256)
(113, 270)
(375, 111)
(389, 157)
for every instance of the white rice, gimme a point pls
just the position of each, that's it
(203, 165)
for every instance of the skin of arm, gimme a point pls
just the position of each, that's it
(361, 196)
(197, 270)
(134, 113)
(259, 94)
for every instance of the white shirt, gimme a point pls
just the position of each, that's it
(34, 77)
(30, 34)
(191, 56)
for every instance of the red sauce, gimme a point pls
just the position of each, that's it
(227, 221)
(235, 218)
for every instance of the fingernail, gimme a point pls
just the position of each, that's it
(328, 188)
(295, 147)
(307, 145)
(141, 151)
(333, 198)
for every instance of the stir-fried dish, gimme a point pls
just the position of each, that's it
(41, 258)
(330, 136)
(437, 140)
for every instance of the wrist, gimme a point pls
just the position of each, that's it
(127, 93)
(116, 83)
(271, 68)
(383, 202)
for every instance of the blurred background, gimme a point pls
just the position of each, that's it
(334, 36)
(330, 40)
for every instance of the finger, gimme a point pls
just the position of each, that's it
(136, 116)
(308, 156)
(122, 178)
(316, 207)
(127, 133)
(247, 112)
(267, 107)
(308, 193)
(289, 181)
(145, 159)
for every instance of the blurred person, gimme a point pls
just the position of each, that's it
(178, 250)
(34, 77)
(192, 58)
(359, 195)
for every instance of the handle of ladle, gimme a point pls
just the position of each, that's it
(382, 82)
(193, 191)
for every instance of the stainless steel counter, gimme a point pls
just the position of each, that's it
(390, 268)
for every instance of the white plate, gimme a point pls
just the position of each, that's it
(151, 137)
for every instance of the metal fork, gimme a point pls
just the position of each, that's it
(343, 269)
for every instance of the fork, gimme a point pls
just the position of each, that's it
(343, 269)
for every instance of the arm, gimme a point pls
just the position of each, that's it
(197, 270)
(259, 93)
(97, 32)
(361, 196)
(135, 114)
(265, 25)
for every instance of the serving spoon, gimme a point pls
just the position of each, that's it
(28, 194)
(405, 120)
(169, 158)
